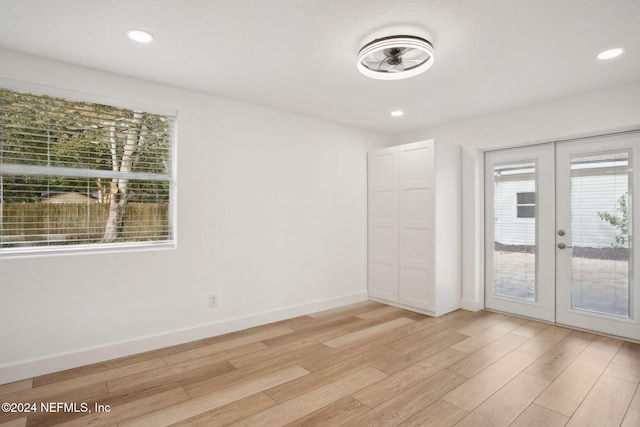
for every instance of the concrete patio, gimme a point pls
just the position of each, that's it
(600, 285)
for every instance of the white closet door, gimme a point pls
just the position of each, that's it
(383, 228)
(416, 197)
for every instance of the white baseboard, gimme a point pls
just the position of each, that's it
(60, 362)
(471, 304)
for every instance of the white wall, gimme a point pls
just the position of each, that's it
(271, 216)
(596, 113)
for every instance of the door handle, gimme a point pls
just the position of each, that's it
(563, 246)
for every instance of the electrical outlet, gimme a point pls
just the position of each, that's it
(213, 300)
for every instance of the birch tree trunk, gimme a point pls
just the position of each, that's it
(119, 187)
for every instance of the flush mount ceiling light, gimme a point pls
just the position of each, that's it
(397, 113)
(140, 36)
(395, 57)
(610, 54)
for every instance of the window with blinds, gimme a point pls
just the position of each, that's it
(82, 175)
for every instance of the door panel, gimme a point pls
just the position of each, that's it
(519, 203)
(595, 254)
(416, 225)
(382, 219)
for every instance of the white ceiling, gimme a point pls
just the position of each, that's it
(300, 55)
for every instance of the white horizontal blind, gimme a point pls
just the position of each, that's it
(78, 173)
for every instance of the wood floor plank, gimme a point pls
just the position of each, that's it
(300, 345)
(394, 384)
(177, 374)
(553, 362)
(16, 386)
(403, 406)
(481, 359)
(207, 385)
(333, 414)
(531, 329)
(51, 389)
(308, 333)
(18, 422)
(478, 388)
(605, 405)
(130, 360)
(320, 377)
(89, 394)
(427, 330)
(216, 399)
(503, 407)
(536, 415)
(349, 310)
(566, 392)
(489, 335)
(381, 312)
(485, 320)
(94, 368)
(396, 362)
(119, 413)
(602, 349)
(293, 357)
(545, 340)
(635, 402)
(632, 418)
(626, 363)
(317, 360)
(428, 345)
(313, 400)
(230, 413)
(367, 333)
(225, 345)
(438, 414)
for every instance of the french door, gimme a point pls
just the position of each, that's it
(560, 245)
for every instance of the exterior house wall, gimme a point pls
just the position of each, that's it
(511, 230)
(589, 230)
(597, 196)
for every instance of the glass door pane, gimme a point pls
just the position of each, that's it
(600, 233)
(515, 230)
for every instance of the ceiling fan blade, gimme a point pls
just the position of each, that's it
(398, 68)
(373, 65)
(385, 66)
(378, 56)
(414, 54)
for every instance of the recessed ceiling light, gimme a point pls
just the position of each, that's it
(395, 57)
(397, 113)
(140, 36)
(611, 53)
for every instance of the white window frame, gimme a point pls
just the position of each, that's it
(71, 95)
(518, 205)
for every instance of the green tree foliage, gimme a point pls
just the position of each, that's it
(44, 130)
(620, 220)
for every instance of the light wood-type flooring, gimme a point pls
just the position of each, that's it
(361, 365)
